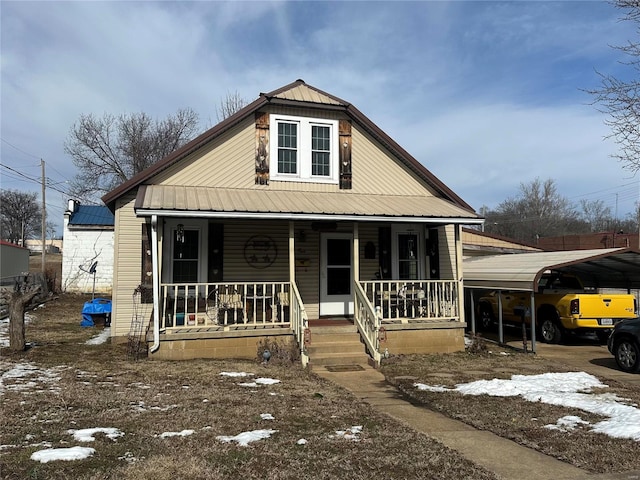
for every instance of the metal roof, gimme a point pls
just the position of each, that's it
(91, 215)
(259, 203)
(601, 268)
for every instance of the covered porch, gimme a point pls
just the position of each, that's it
(247, 274)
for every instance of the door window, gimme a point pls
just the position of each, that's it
(408, 256)
(185, 256)
(338, 266)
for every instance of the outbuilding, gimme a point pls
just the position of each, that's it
(613, 268)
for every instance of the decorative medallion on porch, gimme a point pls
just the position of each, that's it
(260, 251)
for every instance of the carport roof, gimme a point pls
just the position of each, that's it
(601, 268)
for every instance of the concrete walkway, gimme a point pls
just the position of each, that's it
(507, 459)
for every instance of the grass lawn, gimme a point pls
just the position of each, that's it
(62, 385)
(513, 417)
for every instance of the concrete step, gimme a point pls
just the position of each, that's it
(322, 338)
(334, 329)
(339, 359)
(336, 346)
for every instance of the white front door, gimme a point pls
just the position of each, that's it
(336, 263)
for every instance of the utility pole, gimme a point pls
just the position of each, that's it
(44, 219)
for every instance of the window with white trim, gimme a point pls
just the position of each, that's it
(303, 149)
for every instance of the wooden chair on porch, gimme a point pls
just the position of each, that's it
(230, 308)
(282, 305)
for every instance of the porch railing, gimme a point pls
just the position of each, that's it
(224, 304)
(368, 322)
(414, 299)
(299, 323)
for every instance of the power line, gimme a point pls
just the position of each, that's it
(20, 150)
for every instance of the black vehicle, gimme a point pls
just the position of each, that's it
(624, 344)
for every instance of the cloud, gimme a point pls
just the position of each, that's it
(486, 94)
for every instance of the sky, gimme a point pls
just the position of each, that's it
(487, 95)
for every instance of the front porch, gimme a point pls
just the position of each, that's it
(223, 320)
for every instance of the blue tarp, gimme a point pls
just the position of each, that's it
(97, 306)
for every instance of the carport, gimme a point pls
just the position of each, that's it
(617, 268)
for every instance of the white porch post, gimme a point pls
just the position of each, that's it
(292, 252)
(156, 284)
(356, 253)
(459, 274)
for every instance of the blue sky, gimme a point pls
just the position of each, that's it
(487, 95)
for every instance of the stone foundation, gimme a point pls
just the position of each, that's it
(244, 347)
(421, 341)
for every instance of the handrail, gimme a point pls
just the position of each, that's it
(299, 322)
(367, 321)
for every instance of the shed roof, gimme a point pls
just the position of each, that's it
(92, 215)
(209, 201)
(601, 268)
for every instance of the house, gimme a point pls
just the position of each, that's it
(14, 262)
(295, 214)
(476, 243)
(87, 259)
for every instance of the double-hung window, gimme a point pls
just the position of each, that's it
(304, 149)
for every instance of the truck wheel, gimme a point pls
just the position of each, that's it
(627, 354)
(550, 331)
(485, 322)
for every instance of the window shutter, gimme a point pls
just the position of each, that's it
(262, 148)
(344, 128)
(216, 244)
(146, 280)
(384, 245)
(433, 252)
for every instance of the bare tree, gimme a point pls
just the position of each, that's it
(596, 215)
(230, 105)
(20, 215)
(538, 211)
(619, 98)
(108, 151)
(23, 293)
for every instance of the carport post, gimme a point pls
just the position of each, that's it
(533, 323)
(500, 329)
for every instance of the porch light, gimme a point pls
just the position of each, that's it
(180, 233)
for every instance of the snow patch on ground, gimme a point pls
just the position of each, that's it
(572, 390)
(72, 453)
(243, 439)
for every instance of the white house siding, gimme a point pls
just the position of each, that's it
(229, 161)
(447, 252)
(83, 247)
(127, 262)
(236, 236)
(368, 232)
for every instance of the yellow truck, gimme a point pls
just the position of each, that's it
(562, 306)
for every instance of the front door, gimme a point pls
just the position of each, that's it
(336, 260)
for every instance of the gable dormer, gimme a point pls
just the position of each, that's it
(295, 148)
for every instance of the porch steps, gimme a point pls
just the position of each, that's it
(336, 345)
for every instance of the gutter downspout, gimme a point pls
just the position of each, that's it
(156, 284)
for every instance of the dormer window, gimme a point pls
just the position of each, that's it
(304, 149)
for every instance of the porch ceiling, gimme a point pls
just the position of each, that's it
(168, 200)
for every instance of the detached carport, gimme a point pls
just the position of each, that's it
(602, 268)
